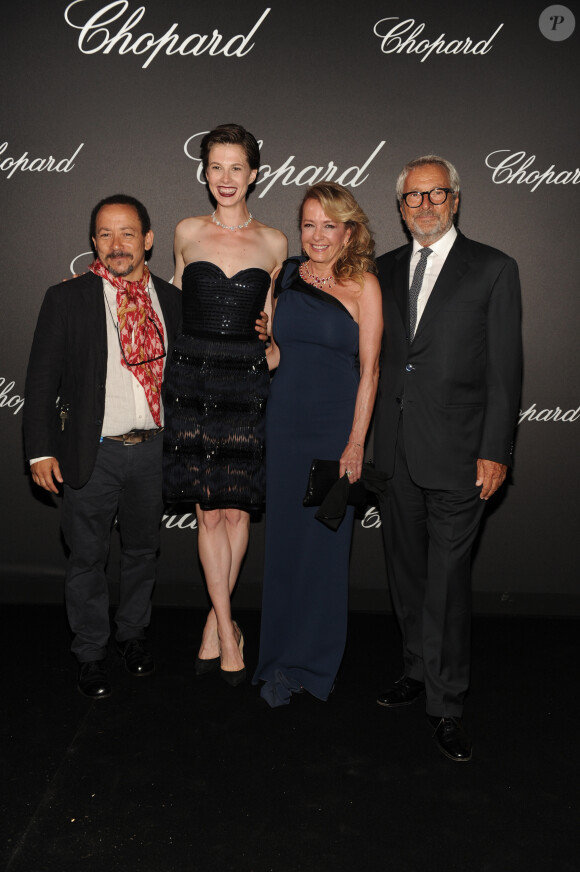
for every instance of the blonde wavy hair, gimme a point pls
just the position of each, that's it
(357, 257)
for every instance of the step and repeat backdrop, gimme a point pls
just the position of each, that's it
(106, 97)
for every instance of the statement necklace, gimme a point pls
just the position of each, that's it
(311, 279)
(225, 226)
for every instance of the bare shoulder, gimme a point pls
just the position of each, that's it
(274, 238)
(272, 233)
(370, 289)
(188, 227)
(371, 285)
(272, 245)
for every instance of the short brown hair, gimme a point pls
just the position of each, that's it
(231, 134)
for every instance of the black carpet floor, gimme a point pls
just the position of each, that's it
(175, 773)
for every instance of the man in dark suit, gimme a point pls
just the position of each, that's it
(92, 421)
(445, 416)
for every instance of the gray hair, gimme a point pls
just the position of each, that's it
(423, 161)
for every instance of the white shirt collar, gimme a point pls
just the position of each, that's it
(442, 247)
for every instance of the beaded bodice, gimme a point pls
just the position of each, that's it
(221, 306)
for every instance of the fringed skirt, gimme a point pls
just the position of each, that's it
(215, 404)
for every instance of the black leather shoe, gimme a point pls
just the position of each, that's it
(92, 681)
(137, 656)
(451, 737)
(403, 692)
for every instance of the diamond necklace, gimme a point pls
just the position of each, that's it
(314, 280)
(225, 226)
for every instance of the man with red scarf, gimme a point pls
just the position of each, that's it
(92, 422)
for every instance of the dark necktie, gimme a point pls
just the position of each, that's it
(415, 289)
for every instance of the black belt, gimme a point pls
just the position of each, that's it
(134, 437)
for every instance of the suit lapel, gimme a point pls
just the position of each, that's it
(401, 283)
(94, 304)
(164, 302)
(454, 269)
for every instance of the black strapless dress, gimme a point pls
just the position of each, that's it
(216, 388)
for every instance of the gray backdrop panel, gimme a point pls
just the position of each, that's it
(352, 90)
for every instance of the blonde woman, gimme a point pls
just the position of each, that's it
(327, 328)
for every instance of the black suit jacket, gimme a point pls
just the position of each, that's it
(459, 379)
(68, 364)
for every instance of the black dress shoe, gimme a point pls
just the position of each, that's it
(137, 656)
(403, 692)
(451, 738)
(92, 681)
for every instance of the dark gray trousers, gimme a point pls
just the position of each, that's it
(125, 484)
(428, 537)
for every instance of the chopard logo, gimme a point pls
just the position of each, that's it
(13, 402)
(288, 174)
(557, 414)
(189, 521)
(371, 518)
(10, 165)
(76, 266)
(403, 38)
(179, 522)
(95, 36)
(515, 168)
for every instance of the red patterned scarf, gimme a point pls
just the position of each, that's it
(140, 341)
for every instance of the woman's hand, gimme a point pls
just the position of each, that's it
(351, 461)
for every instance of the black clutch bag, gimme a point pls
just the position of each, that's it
(321, 478)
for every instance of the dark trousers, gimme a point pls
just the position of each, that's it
(428, 537)
(125, 484)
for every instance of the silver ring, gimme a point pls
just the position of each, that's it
(348, 471)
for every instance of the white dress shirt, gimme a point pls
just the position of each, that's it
(126, 406)
(434, 265)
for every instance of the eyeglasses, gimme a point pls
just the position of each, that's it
(151, 359)
(437, 196)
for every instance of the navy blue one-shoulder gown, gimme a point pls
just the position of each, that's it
(310, 414)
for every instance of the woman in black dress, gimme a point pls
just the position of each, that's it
(328, 313)
(218, 380)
